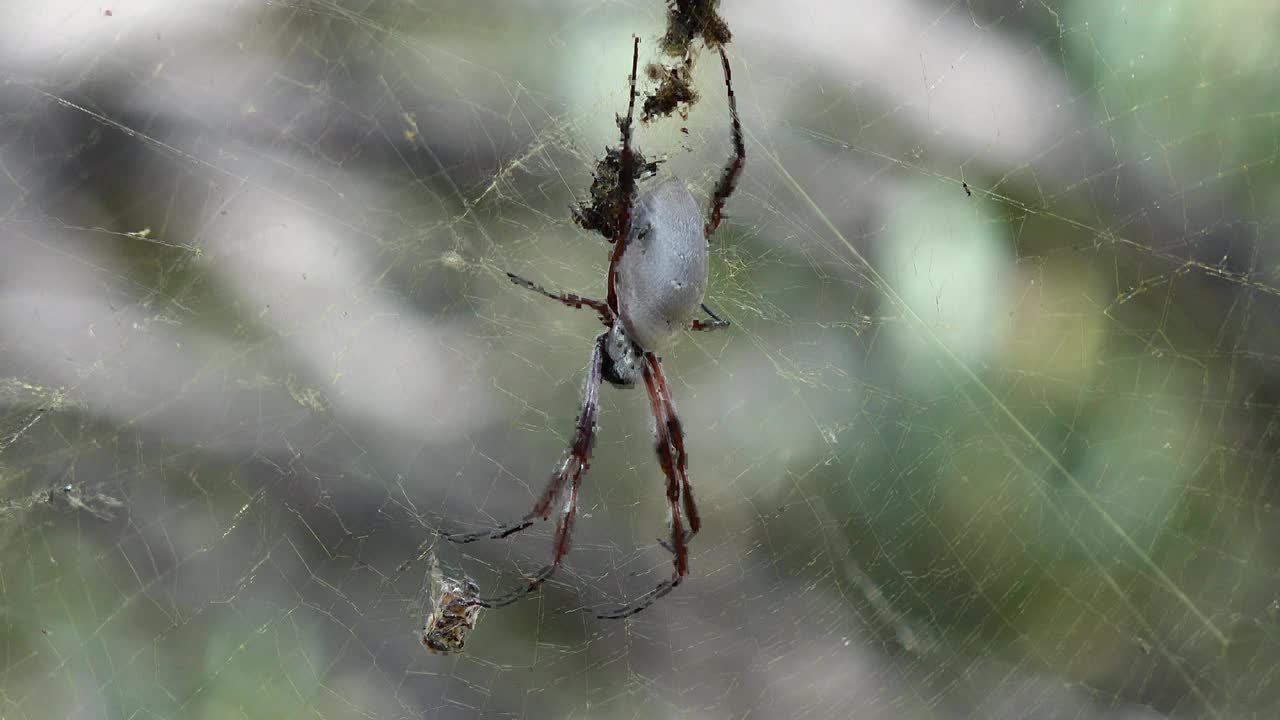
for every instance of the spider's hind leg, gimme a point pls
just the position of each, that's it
(716, 323)
(674, 461)
(666, 544)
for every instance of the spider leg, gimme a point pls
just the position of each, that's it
(626, 178)
(675, 433)
(643, 602)
(496, 533)
(534, 583)
(733, 168)
(571, 472)
(573, 301)
(702, 325)
(540, 511)
(666, 544)
(674, 461)
(715, 324)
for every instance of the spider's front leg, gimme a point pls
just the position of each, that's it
(675, 466)
(675, 438)
(570, 472)
(555, 486)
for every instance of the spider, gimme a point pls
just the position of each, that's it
(656, 282)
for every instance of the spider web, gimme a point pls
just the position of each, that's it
(993, 433)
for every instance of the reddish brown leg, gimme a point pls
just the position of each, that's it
(626, 177)
(675, 433)
(564, 530)
(732, 169)
(677, 487)
(671, 437)
(574, 301)
(570, 472)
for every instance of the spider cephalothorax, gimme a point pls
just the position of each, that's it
(622, 358)
(655, 285)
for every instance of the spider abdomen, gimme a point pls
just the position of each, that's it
(661, 277)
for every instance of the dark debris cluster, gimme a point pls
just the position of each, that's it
(689, 19)
(603, 213)
(674, 91)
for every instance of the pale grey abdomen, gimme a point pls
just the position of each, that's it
(662, 275)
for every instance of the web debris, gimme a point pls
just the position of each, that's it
(686, 20)
(65, 497)
(603, 214)
(454, 612)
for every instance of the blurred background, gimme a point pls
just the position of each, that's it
(994, 433)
